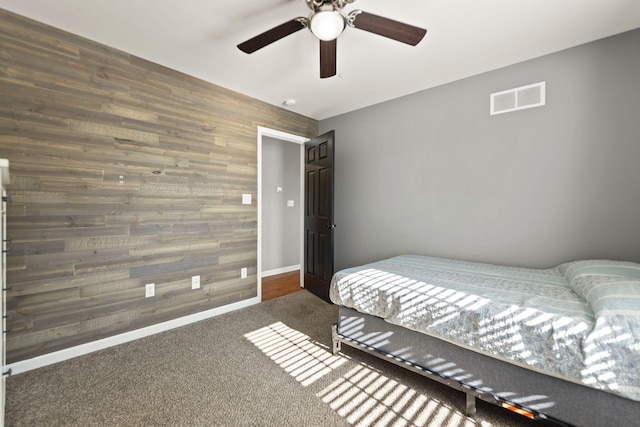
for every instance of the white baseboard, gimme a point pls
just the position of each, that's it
(280, 270)
(69, 353)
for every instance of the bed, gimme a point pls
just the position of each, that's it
(559, 344)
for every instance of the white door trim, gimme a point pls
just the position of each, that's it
(262, 132)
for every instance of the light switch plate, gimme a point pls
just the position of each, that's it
(243, 273)
(195, 282)
(246, 199)
(290, 203)
(278, 189)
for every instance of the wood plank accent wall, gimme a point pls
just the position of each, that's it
(123, 173)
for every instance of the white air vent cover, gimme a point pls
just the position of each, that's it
(518, 99)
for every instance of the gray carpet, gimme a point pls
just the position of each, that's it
(266, 365)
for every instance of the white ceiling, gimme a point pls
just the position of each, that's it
(464, 38)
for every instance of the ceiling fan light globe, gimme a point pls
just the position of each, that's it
(327, 25)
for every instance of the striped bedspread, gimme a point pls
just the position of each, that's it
(579, 321)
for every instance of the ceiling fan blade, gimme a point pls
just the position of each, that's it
(386, 27)
(328, 54)
(273, 35)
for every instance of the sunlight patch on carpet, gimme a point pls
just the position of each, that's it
(365, 397)
(362, 396)
(294, 352)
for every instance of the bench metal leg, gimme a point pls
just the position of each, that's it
(336, 345)
(471, 405)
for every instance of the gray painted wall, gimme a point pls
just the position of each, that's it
(433, 173)
(280, 224)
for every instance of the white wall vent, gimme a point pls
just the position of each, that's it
(519, 98)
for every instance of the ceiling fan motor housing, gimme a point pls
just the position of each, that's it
(337, 4)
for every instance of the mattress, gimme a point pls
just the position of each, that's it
(578, 321)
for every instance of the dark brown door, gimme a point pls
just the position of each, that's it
(318, 221)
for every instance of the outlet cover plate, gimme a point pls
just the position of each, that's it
(195, 282)
(243, 273)
(149, 290)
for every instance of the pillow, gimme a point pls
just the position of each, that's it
(619, 298)
(606, 285)
(573, 270)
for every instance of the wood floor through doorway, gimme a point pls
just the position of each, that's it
(280, 284)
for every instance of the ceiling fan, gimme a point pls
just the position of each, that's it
(327, 22)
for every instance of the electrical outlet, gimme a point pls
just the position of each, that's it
(149, 290)
(195, 282)
(243, 273)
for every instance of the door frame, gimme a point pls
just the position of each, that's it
(285, 137)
